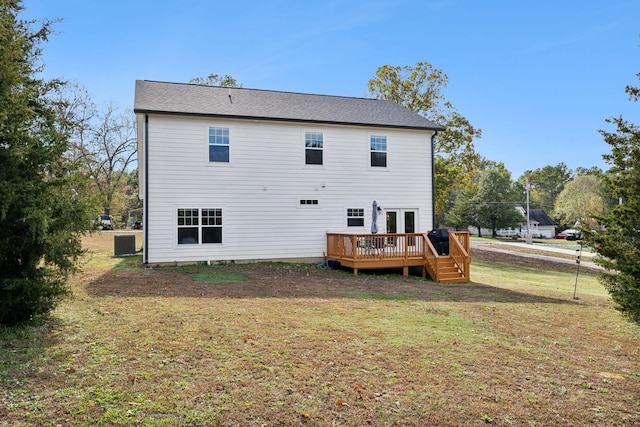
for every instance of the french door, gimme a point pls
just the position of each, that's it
(401, 221)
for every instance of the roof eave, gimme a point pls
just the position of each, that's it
(279, 119)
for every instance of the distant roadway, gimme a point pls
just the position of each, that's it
(516, 248)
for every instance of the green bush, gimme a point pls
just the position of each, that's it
(43, 202)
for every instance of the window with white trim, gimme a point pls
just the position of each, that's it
(211, 225)
(188, 221)
(218, 145)
(378, 151)
(355, 217)
(313, 145)
(197, 226)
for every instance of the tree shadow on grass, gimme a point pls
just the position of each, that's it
(282, 280)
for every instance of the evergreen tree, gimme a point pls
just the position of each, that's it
(42, 207)
(617, 238)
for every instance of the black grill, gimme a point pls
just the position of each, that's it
(439, 238)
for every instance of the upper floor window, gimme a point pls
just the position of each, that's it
(379, 151)
(219, 145)
(313, 148)
(355, 217)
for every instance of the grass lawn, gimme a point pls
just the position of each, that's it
(287, 345)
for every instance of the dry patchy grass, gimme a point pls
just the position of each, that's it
(282, 345)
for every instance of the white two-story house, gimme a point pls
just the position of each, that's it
(231, 174)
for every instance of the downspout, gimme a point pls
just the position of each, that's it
(146, 191)
(433, 183)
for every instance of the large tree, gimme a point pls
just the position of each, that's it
(463, 213)
(495, 200)
(420, 89)
(42, 208)
(580, 200)
(593, 170)
(546, 184)
(490, 203)
(216, 80)
(617, 237)
(103, 142)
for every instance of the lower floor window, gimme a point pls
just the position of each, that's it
(199, 226)
(211, 225)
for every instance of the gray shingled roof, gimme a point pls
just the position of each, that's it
(541, 217)
(213, 101)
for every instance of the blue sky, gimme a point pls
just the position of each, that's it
(539, 78)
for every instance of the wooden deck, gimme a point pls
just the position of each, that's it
(403, 250)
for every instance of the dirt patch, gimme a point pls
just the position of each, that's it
(265, 280)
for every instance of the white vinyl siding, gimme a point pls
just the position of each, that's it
(259, 191)
(141, 135)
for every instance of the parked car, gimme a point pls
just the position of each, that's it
(136, 225)
(569, 234)
(105, 222)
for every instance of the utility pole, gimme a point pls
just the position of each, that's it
(528, 188)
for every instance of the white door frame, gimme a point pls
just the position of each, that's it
(401, 220)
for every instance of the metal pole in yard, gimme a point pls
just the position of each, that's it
(578, 256)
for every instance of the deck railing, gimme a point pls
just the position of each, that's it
(401, 250)
(459, 250)
(375, 246)
(388, 250)
(440, 267)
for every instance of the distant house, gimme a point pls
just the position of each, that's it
(242, 174)
(540, 225)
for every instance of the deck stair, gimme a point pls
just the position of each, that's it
(448, 272)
